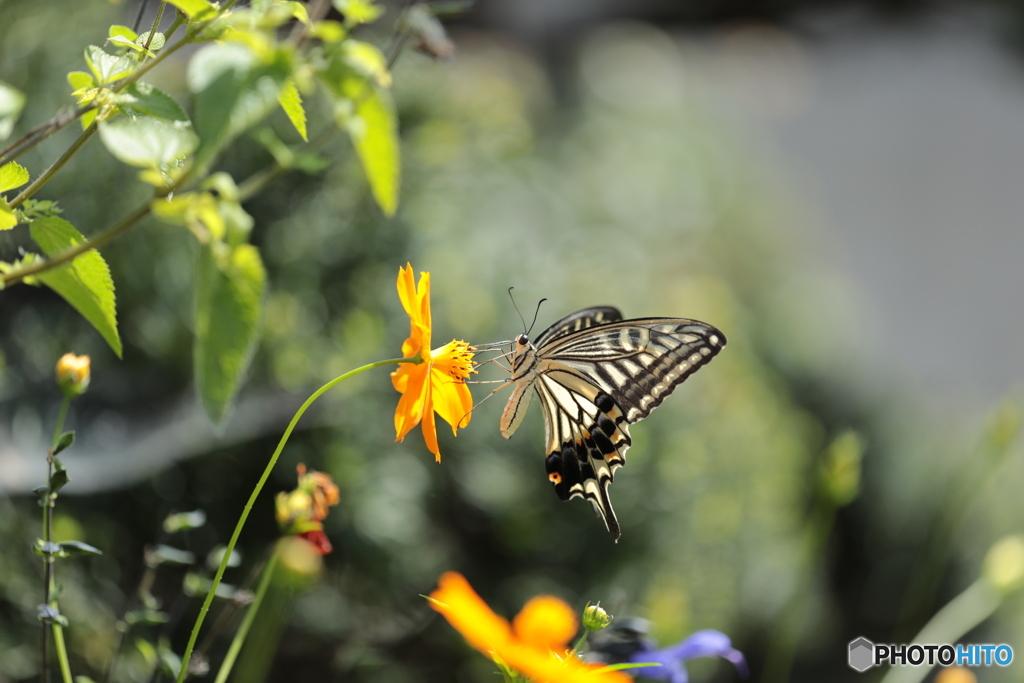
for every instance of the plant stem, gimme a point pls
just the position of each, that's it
(156, 24)
(183, 672)
(250, 617)
(39, 266)
(44, 130)
(47, 536)
(56, 166)
(62, 653)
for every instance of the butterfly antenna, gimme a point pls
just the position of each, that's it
(535, 314)
(517, 309)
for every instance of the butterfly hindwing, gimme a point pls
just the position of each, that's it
(595, 374)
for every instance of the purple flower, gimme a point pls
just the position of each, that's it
(706, 643)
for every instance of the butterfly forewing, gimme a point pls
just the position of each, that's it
(595, 374)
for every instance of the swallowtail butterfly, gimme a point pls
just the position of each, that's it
(595, 375)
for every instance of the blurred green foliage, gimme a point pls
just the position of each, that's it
(624, 186)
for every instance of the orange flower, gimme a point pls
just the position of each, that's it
(534, 644)
(438, 382)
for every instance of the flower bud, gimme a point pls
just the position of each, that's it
(1004, 564)
(595, 618)
(73, 374)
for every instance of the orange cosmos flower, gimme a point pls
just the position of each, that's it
(438, 382)
(536, 643)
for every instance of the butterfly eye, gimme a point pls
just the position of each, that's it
(522, 340)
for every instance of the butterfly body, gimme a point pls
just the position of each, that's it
(595, 374)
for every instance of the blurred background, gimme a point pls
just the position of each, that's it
(834, 185)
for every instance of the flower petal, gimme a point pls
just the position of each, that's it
(706, 643)
(451, 399)
(469, 614)
(545, 622)
(413, 404)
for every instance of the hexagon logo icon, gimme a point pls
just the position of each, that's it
(862, 654)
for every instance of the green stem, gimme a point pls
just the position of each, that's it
(44, 130)
(950, 624)
(250, 617)
(39, 266)
(56, 166)
(183, 672)
(156, 24)
(47, 536)
(62, 653)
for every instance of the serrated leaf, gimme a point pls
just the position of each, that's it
(291, 102)
(148, 142)
(148, 100)
(66, 440)
(229, 305)
(158, 41)
(70, 548)
(108, 68)
(85, 282)
(194, 8)
(233, 92)
(368, 115)
(11, 103)
(12, 175)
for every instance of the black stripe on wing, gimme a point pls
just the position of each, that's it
(580, 320)
(587, 438)
(638, 362)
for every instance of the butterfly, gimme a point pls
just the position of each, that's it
(595, 375)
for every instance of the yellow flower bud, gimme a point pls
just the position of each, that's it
(595, 618)
(73, 374)
(1004, 564)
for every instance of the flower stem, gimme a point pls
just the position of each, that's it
(62, 653)
(183, 672)
(47, 535)
(250, 616)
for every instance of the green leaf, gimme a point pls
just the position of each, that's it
(358, 11)
(69, 548)
(59, 480)
(125, 42)
(195, 9)
(106, 67)
(229, 303)
(12, 175)
(369, 117)
(158, 41)
(184, 521)
(11, 103)
(79, 80)
(7, 218)
(291, 102)
(85, 282)
(368, 60)
(233, 92)
(123, 31)
(148, 142)
(298, 11)
(146, 617)
(64, 442)
(147, 100)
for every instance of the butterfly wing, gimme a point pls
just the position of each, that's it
(580, 320)
(594, 381)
